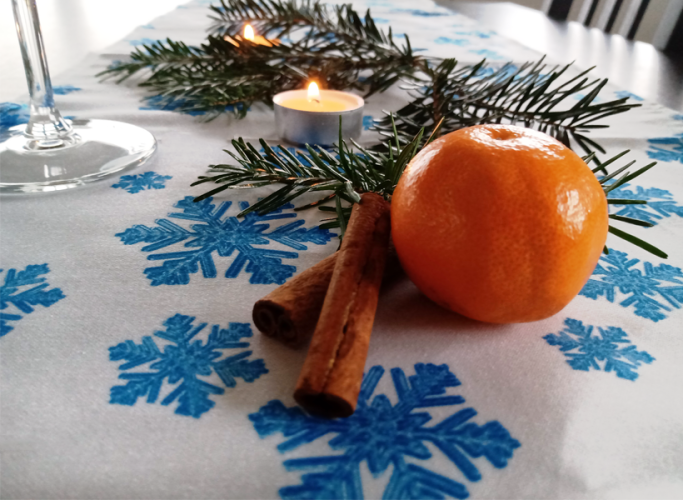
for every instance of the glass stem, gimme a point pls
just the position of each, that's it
(46, 126)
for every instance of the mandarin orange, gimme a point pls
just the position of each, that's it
(499, 223)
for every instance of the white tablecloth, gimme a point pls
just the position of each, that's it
(130, 367)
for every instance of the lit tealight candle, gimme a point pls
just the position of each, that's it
(252, 37)
(312, 116)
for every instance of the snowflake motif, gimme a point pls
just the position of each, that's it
(476, 33)
(421, 13)
(510, 70)
(663, 154)
(161, 103)
(140, 182)
(383, 435)
(678, 117)
(489, 54)
(211, 232)
(616, 272)
(380, 20)
(183, 362)
(64, 89)
(625, 93)
(143, 41)
(26, 298)
(368, 122)
(12, 114)
(600, 352)
(660, 203)
(452, 41)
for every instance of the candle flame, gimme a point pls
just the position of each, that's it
(249, 32)
(313, 92)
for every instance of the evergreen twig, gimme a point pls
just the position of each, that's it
(534, 96)
(333, 45)
(345, 174)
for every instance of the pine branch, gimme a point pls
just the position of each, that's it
(609, 183)
(345, 174)
(333, 46)
(534, 96)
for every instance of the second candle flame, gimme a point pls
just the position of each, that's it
(313, 92)
(249, 32)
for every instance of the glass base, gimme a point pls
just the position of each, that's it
(94, 150)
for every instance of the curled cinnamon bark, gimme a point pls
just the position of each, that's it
(289, 313)
(331, 377)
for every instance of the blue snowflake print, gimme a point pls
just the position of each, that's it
(380, 20)
(610, 350)
(625, 93)
(421, 13)
(12, 114)
(489, 54)
(64, 89)
(660, 203)
(617, 272)
(476, 33)
(452, 41)
(505, 72)
(678, 117)
(184, 362)
(143, 41)
(140, 182)
(161, 103)
(148, 27)
(368, 122)
(665, 154)
(210, 232)
(22, 290)
(382, 435)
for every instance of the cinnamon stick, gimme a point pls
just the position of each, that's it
(290, 312)
(331, 377)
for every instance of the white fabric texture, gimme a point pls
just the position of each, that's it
(561, 432)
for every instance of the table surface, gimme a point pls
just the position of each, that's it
(121, 305)
(74, 28)
(634, 66)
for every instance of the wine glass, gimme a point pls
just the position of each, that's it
(51, 153)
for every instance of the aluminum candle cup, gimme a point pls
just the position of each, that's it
(301, 120)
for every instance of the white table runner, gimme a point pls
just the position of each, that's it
(130, 367)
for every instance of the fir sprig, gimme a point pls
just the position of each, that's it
(333, 45)
(343, 50)
(335, 38)
(343, 173)
(534, 95)
(351, 170)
